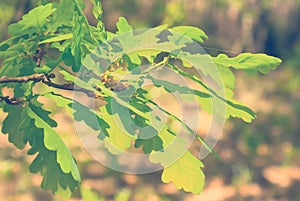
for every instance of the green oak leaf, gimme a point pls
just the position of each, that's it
(16, 65)
(36, 107)
(33, 22)
(54, 173)
(191, 32)
(91, 118)
(238, 110)
(119, 139)
(185, 173)
(150, 144)
(99, 33)
(216, 104)
(113, 134)
(80, 112)
(57, 38)
(54, 178)
(78, 35)
(246, 61)
(180, 166)
(172, 87)
(123, 26)
(97, 9)
(227, 77)
(148, 139)
(1, 102)
(67, 56)
(62, 16)
(72, 78)
(43, 69)
(15, 117)
(53, 142)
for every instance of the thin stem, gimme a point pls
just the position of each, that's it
(46, 79)
(11, 101)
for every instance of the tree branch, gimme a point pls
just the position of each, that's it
(46, 79)
(11, 101)
(35, 78)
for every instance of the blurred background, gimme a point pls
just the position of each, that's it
(259, 161)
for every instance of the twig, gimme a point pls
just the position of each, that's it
(35, 78)
(11, 101)
(70, 87)
(46, 79)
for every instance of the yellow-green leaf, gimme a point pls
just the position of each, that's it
(57, 38)
(256, 62)
(118, 140)
(191, 32)
(185, 173)
(180, 166)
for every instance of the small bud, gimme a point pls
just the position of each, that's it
(51, 75)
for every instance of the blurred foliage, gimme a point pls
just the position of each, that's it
(255, 25)
(233, 26)
(12, 11)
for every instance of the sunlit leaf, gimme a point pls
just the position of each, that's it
(57, 38)
(32, 22)
(255, 62)
(57, 166)
(119, 139)
(62, 16)
(123, 26)
(180, 166)
(54, 143)
(191, 32)
(77, 41)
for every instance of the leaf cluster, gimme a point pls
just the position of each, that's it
(107, 66)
